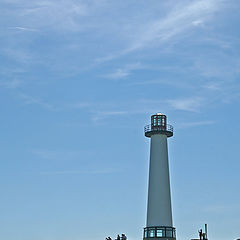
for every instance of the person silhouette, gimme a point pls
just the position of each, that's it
(124, 237)
(118, 237)
(200, 234)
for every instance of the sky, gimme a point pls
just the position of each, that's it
(78, 82)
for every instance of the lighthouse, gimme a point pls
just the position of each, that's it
(159, 224)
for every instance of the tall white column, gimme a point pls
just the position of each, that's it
(159, 210)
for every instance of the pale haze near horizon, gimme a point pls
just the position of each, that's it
(80, 79)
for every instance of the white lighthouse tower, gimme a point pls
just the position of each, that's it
(159, 209)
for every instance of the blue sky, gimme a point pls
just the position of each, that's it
(78, 82)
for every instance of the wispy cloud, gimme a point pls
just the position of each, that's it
(141, 33)
(17, 54)
(57, 154)
(101, 115)
(180, 19)
(34, 100)
(194, 124)
(23, 29)
(101, 111)
(217, 65)
(151, 82)
(183, 17)
(80, 105)
(46, 14)
(197, 23)
(119, 73)
(13, 84)
(192, 104)
(80, 172)
(125, 71)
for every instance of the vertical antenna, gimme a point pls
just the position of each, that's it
(206, 231)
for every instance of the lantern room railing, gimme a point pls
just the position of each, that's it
(150, 130)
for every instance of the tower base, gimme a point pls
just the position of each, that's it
(159, 233)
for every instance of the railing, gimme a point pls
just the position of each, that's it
(150, 128)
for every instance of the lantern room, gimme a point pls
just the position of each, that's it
(158, 126)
